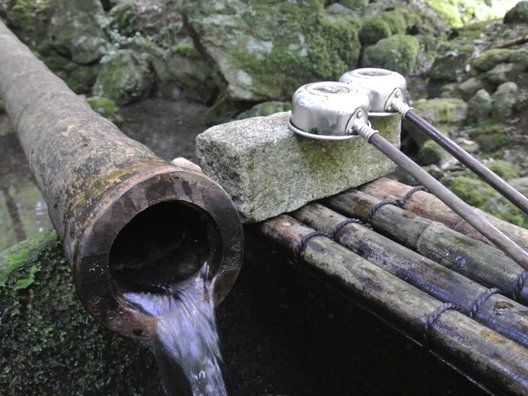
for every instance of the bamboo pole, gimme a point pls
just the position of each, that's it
(495, 311)
(112, 201)
(430, 207)
(496, 363)
(472, 258)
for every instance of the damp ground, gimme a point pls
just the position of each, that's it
(282, 330)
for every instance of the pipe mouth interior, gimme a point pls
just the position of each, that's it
(163, 246)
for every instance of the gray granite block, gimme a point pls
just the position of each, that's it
(268, 170)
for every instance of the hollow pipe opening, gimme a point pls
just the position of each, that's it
(163, 246)
(154, 231)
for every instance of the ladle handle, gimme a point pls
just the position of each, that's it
(450, 199)
(499, 184)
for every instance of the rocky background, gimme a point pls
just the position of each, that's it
(466, 62)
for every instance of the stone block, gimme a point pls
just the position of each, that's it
(268, 170)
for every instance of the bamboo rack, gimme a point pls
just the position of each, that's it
(456, 295)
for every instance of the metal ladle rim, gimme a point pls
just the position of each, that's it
(298, 131)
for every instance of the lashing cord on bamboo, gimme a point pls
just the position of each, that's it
(400, 203)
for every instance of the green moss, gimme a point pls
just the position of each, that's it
(395, 21)
(479, 194)
(29, 20)
(398, 53)
(106, 107)
(355, 4)
(79, 78)
(50, 345)
(504, 169)
(442, 110)
(491, 58)
(431, 153)
(187, 50)
(373, 30)
(490, 137)
(19, 255)
(448, 9)
(330, 48)
(125, 76)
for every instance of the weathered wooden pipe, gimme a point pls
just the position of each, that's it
(127, 219)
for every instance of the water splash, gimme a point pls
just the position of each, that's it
(186, 344)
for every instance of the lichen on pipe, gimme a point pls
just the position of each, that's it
(120, 211)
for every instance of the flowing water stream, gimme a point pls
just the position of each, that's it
(186, 343)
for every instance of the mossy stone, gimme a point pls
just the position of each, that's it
(106, 107)
(355, 4)
(266, 50)
(504, 101)
(432, 154)
(504, 169)
(77, 29)
(265, 109)
(50, 345)
(395, 21)
(519, 13)
(470, 87)
(2, 106)
(491, 137)
(79, 78)
(479, 194)
(373, 30)
(398, 53)
(491, 58)
(479, 106)
(442, 110)
(124, 77)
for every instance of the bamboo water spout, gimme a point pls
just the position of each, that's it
(120, 211)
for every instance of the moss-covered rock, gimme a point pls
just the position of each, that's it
(504, 101)
(395, 21)
(50, 345)
(77, 29)
(478, 193)
(442, 110)
(355, 4)
(80, 78)
(2, 106)
(373, 30)
(519, 13)
(125, 76)
(432, 154)
(504, 169)
(503, 72)
(158, 21)
(398, 53)
(491, 58)
(106, 107)
(479, 106)
(265, 109)
(266, 49)
(490, 136)
(180, 72)
(29, 20)
(461, 12)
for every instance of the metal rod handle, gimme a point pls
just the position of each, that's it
(499, 184)
(450, 199)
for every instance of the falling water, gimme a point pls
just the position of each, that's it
(186, 344)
